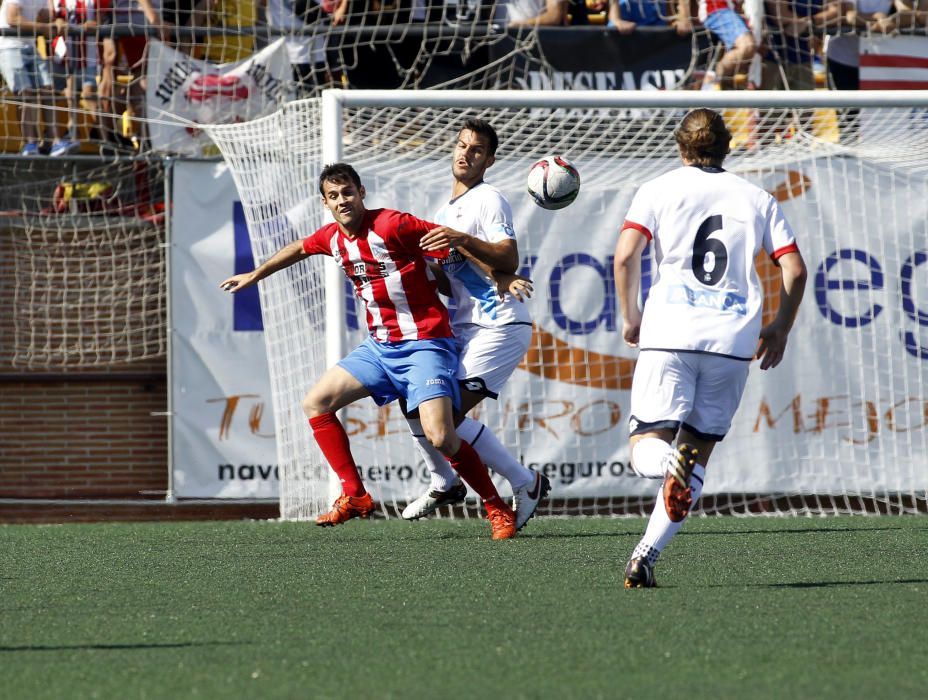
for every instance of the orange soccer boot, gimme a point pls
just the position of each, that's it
(678, 495)
(345, 508)
(502, 519)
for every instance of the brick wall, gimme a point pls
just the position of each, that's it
(95, 437)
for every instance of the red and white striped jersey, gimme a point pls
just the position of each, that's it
(386, 265)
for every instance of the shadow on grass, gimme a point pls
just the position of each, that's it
(798, 531)
(577, 535)
(116, 647)
(830, 584)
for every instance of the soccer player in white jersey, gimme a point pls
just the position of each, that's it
(492, 333)
(702, 321)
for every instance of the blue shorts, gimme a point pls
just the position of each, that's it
(415, 370)
(23, 69)
(727, 25)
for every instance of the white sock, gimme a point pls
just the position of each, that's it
(661, 528)
(442, 477)
(649, 455)
(494, 454)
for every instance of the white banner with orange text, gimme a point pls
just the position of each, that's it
(845, 412)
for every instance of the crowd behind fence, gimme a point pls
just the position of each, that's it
(74, 71)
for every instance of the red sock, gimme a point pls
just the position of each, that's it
(466, 462)
(333, 441)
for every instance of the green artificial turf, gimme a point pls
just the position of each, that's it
(746, 608)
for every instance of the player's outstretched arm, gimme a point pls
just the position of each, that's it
(502, 255)
(285, 257)
(773, 337)
(627, 268)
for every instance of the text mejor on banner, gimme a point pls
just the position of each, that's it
(200, 92)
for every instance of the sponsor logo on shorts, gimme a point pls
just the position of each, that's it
(437, 380)
(475, 385)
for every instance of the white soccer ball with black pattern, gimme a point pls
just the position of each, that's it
(553, 182)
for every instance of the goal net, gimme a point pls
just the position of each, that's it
(84, 255)
(839, 427)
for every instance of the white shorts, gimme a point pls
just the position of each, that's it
(489, 355)
(697, 391)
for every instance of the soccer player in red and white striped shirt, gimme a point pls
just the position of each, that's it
(410, 353)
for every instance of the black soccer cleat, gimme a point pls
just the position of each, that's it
(639, 573)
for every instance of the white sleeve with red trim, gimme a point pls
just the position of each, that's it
(641, 215)
(778, 236)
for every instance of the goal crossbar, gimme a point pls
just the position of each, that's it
(583, 99)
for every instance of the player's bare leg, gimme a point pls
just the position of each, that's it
(336, 389)
(737, 60)
(437, 418)
(683, 470)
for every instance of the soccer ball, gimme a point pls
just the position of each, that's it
(553, 182)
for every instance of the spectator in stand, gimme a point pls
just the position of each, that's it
(307, 54)
(535, 13)
(578, 13)
(78, 55)
(910, 14)
(235, 19)
(26, 73)
(726, 25)
(843, 50)
(122, 49)
(791, 24)
(625, 15)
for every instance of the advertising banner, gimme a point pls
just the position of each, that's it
(222, 426)
(601, 59)
(201, 92)
(849, 392)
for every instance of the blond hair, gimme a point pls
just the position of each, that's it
(703, 137)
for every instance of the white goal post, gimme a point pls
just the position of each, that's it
(840, 426)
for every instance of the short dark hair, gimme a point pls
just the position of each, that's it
(703, 137)
(341, 173)
(483, 128)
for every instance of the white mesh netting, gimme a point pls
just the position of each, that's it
(839, 427)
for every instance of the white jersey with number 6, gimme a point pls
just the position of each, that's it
(708, 226)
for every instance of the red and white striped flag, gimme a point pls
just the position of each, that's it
(894, 63)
